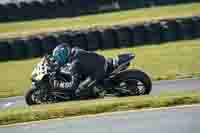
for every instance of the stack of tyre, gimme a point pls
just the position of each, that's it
(103, 38)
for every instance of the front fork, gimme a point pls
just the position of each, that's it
(44, 93)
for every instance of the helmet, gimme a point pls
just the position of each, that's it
(61, 54)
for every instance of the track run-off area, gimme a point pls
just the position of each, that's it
(158, 88)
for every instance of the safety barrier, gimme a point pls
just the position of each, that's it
(104, 38)
(28, 10)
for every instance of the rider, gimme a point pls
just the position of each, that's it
(89, 64)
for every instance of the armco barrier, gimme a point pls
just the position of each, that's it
(26, 10)
(104, 38)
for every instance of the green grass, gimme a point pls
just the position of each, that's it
(16, 29)
(61, 110)
(166, 61)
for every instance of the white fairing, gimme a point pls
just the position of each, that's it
(40, 70)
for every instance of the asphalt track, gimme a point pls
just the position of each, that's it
(158, 87)
(172, 120)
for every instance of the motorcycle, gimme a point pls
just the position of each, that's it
(119, 81)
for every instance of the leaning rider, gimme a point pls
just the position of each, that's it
(90, 64)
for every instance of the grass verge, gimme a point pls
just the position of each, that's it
(161, 62)
(19, 29)
(61, 110)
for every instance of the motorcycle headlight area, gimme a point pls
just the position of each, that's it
(41, 69)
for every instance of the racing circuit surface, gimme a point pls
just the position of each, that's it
(172, 120)
(158, 87)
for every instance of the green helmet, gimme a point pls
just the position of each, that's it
(61, 54)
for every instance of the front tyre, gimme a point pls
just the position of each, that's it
(30, 96)
(37, 96)
(136, 82)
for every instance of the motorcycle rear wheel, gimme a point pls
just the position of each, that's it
(136, 82)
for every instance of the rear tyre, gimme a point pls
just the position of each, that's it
(136, 82)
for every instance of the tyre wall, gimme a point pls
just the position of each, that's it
(35, 9)
(155, 32)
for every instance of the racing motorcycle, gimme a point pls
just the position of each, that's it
(119, 81)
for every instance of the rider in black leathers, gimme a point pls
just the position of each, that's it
(90, 64)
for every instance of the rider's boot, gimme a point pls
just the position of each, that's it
(84, 86)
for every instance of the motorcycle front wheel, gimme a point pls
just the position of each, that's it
(36, 96)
